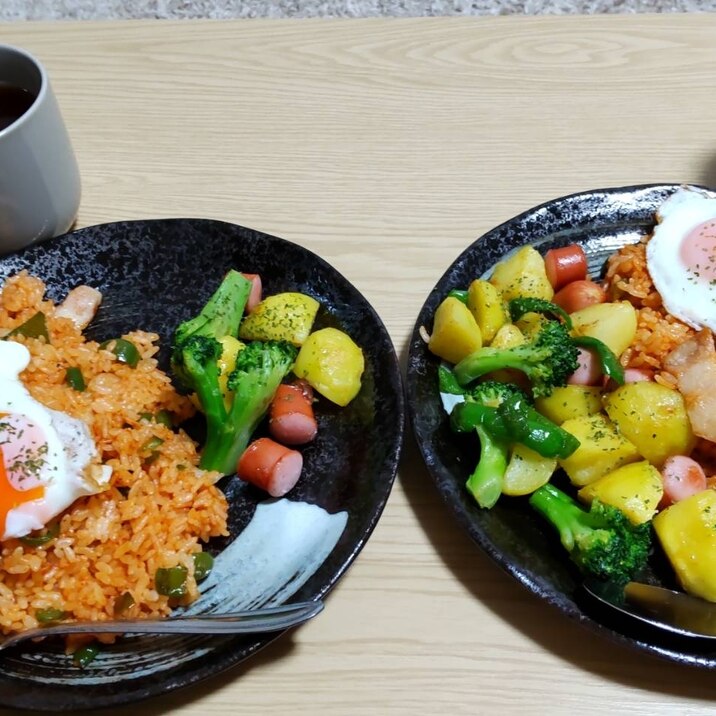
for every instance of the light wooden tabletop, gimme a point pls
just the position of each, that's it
(387, 146)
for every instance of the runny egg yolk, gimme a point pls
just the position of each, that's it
(22, 446)
(698, 251)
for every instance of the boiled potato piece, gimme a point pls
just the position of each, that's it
(488, 308)
(282, 317)
(570, 401)
(522, 274)
(530, 324)
(652, 417)
(601, 450)
(332, 364)
(635, 489)
(526, 471)
(455, 331)
(612, 323)
(687, 532)
(508, 336)
(230, 348)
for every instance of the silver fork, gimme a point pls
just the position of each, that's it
(251, 621)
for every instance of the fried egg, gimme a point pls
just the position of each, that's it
(47, 458)
(681, 257)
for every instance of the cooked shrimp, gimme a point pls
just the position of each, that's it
(80, 305)
(693, 364)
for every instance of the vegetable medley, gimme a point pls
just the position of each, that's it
(530, 365)
(236, 356)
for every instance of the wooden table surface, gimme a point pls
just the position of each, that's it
(387, 146)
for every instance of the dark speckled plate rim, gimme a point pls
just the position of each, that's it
(644, 199)
(229, 658)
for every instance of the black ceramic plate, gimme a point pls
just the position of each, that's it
(511, 533)
(153, 274)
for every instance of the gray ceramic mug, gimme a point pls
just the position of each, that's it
(39, 177)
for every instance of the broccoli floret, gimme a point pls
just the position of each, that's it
(260, 368)
(231, 416)
(222, 313)
(494, 392)
(517, 308)
(602, 542)
(485, 482)
(220, 317)
(547, 362)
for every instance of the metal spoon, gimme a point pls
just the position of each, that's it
(675, 612)
(251, 621)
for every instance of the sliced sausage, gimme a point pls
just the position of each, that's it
(564, 265)
(682, 477)
(270, 466)
(589, 371)
(256, 291)
(291, 417)
(579, 294)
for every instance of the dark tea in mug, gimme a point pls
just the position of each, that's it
(14, 102)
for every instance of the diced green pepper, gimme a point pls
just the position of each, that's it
(171, 581)
(85, 655)
(203, 564)
(125, 350)
(152, 444)
(75, 379)
(46, 616)
(459, 294)
(34, 327)
(123, 602)
(37, 540)
(163, 417)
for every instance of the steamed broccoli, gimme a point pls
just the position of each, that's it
(602, 542)
(547, 361)
(231, 415)
(222, 313)
(517, 308)
(485, 482)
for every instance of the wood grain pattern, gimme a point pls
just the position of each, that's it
(387, 146)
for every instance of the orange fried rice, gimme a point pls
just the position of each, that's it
(160, 506)
(658, 332)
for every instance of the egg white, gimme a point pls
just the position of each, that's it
(684, 293)
(70, 449)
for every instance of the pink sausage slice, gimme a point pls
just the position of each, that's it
(270, 466)
(682, 478)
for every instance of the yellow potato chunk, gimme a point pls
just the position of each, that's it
(508, 336)
(455, 331)
(530, 324)
(687, 532)
(526, 471)
(570, 401)
(522, 274)
(601, 450)
(230, 348)
(285, 316)
(635, 489)
(486, 305)
(332, 364)
(612, 323)
(652, 417)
